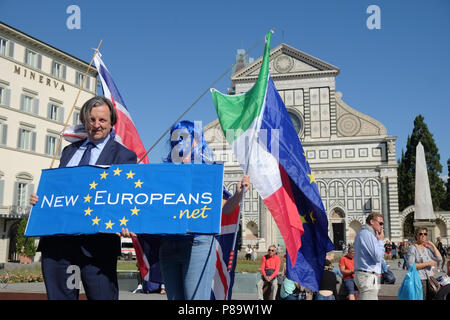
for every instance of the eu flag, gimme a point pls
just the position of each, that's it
(301, 185)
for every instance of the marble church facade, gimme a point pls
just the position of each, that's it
(351, 154)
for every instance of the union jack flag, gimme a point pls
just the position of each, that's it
(223, 280)
(125, 130)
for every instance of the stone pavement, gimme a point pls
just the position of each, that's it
(244, 288)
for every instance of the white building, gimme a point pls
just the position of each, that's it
(351, 154)
(38, 87)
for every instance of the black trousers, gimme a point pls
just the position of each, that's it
(62, 271)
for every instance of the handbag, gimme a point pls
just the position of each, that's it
(433, 285)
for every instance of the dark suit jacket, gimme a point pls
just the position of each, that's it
(96, 245)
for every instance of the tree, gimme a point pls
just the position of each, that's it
(29, 249)
(446, 205)
(407, 167)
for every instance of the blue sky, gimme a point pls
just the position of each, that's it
(164, 54)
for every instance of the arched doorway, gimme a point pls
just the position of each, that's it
(12, 236)
(251, 231)
(408, 226)
(353, 229)
(441, 229)
(337, 219)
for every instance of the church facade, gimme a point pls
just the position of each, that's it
(351, 154)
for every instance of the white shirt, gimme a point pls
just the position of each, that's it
(95, 152)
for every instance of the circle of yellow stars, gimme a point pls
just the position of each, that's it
(93, 186)
(312, 179)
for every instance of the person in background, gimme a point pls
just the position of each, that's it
(369, 250)
(337, 271)
(394, 250)
(347, 268)
(425, 256)
(248, 252)
(442, 251)
(255, 253)
(327, 288)
(404, 255)
(270, 267)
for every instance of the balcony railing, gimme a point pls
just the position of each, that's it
(19, 211)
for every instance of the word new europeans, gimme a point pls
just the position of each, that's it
(105, 198)
(151, 198)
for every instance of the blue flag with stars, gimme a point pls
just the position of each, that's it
(151, 198)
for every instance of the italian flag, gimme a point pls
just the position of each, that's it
(265, 143)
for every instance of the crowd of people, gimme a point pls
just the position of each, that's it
(363, 267)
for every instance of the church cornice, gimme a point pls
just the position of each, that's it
(324, 69)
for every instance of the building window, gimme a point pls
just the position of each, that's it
(23, 188)
(58, 70)
(5, 96)
(3, 47)
(51, 144)
(26, 140)
(55, 112)
(29, 104)
(76, 117)
(6, 48)
(33, 59)
(21, 194)
(3, 132)
(79, 80)
(2, 188)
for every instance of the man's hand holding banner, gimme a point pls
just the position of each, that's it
(153, 199)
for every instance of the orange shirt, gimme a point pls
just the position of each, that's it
(271, 263)
(348, 264)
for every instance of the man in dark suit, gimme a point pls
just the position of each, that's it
(93, 256)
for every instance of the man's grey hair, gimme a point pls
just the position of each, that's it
(96, 101)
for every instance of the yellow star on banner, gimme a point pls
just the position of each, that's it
(303, 219)
(123, 222)
(95, 221)
(138, 184)
(88, 211)
(117, 172)
(93, 185)
(87, 198)
(109, 224)
(103, 175)
(304, 154)
(130, 175)
(135, 211)
(311, 178)
(311, 215)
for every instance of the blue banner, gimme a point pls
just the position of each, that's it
(147, 198)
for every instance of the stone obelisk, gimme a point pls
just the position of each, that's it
(424, 213)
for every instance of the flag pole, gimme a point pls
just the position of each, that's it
(247, 162)
(58, 147)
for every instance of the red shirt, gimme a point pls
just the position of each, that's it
(271, 263)
(348, 264)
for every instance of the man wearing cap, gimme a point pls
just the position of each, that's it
(369, 251)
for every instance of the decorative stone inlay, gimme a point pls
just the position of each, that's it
(348, 125)
(283, 64)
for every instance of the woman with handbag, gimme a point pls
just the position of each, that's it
(425, 256)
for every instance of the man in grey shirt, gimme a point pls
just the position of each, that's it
(369, 251)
